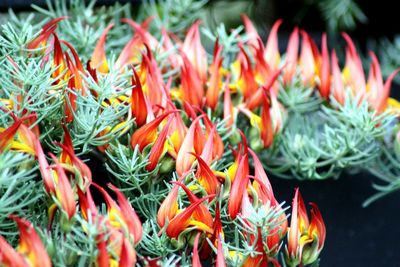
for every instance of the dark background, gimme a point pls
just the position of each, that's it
(382, 15)
(356, 236)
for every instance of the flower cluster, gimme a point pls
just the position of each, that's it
(181, 131)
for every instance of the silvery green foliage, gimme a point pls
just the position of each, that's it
(18, 189)
(386, 167)
(76, 247)
(228, 39)
(174, 15)
(85, 23)
(389, 52)
(322, 142)
(96, 120)
(341, 15)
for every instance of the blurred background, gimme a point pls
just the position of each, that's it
(364, 19)
(372, 24)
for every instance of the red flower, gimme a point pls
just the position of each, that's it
(138, 104)
(63, 190)
(184, 219)
(324, 72)
(194, 51)
(185, 159)
(305, 240)
(147, 134)
(68, 156)
(195, 256)
(169, 207)
(30, 252)
(122, 216)
(214, 84)
(206, 177)
(47, 30)
(158, 147)
(98, 60)
(239, 185)
(292, 52)
(337, 80)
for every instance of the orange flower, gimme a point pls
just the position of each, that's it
(9, 257)
(30, 252)
(127, 254)
(337, 80)
(177, 133)
(247, 83)
(169, 207)
(87, 205)
(257, 98)
(266, 128)
(44, 168)
(228, 107)
(58, 60)
(75, 83)
(195, 255)
(271, 52)
(239, 185)
(147, 134)
(201, 214)
(305, 240)
(378, 94)
(206, 177)
(260, 259)
(68, 156)
(262, 69)
(308, 59)
(215, 237)
(122, 216)
(158, 147)
(152, 80)
(6, 137)
(251, 32)
(63, 190)
(185, 159)
(324, 72)
(98, 60)
(174, 58)
(47, 30)
(218, 145)
(292, 52)
(353, 71)
(142, 36)
(194, 51)
(103, 259)
(138, 104)
(261, 182)
(220, 261)
(184, 219)
(191, 84)
(214, 84)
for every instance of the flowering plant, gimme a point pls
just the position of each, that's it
(184, 137)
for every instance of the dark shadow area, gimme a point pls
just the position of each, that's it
(25, 5)
(356, 236)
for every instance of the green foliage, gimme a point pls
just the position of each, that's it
(387, 168)
(85, 23)
(318, 144)
(388, 52)
(342, 15)
(174, 15)
(19, 190)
